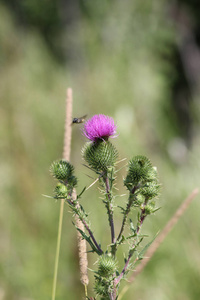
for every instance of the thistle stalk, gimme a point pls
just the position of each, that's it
(109, 207)
(142, 184)
(76, 206)
(117, 280)
(127, 211)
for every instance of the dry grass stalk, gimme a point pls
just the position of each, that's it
(68, 127)
(83, 262)
(81, 243)
(82, 250)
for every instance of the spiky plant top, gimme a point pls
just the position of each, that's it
(100, 154)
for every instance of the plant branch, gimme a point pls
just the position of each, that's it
(152, 249)
(142, 218)
(76, 205)
(91, 235)
(160, 238)
(128, 208)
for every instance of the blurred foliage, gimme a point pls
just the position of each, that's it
(122, 58)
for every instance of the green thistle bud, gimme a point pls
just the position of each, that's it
(140, 199)
(149, 208)
(152, 174)
(100, 155)
(101, 288)
(61, 170)
(140, 169)
(61, 191)
(150, 190)
(106, 265)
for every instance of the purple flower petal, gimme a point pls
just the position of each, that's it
(99, 127)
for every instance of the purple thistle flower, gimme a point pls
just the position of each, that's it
(99, 127)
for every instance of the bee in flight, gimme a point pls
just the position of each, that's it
(79, 120)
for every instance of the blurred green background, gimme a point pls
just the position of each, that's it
(137, 61)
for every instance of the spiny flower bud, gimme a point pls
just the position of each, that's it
(101, 288)
(61, 191)
(100, 155)
(152, 174)
(150, 190)
(149, 208)
(61, 170)
(106, 265)
(139, 170)
(140, 199)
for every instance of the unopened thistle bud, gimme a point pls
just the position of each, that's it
(63, 171)
(150, 190)
(149, 208)
(106, 265)
(101, 288)
(138, 171)
(100, 155)
(61, 191)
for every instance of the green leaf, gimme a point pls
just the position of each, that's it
(131, 236)
(82, 211)
(156, 209)
(83, 190)
(131, 251)
(88, 239)
(140, 255)
(132, 226)
(122, 209)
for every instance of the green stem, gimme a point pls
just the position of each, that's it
(86, 225)
(110, 209)
(99, 250)
(128, 208)
(142, 218)
(58, 249)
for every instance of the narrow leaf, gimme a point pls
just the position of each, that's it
(83, 190)
(87, 238)
(141, 254)
(132, 226)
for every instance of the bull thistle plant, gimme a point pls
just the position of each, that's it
(143, 187)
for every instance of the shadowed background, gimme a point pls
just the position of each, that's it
(137, 61)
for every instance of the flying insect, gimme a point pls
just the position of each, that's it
(79, 120)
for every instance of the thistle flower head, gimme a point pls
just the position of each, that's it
(99, 127)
